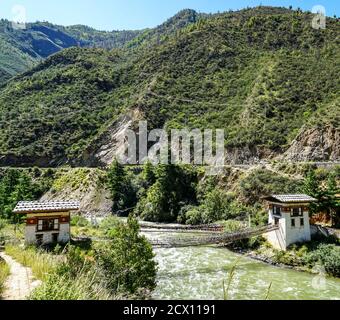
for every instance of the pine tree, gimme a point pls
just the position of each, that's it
(312, 188)
(331, 202)
(311, 184)
(148, 174)
(116, 184)
(122, 191)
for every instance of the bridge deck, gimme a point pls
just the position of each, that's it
(220, 238)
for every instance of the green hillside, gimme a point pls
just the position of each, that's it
(21, 49)
(261, 74)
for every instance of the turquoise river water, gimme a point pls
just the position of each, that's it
(198, 273)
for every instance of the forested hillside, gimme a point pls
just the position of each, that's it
(21, 49)
(262, 74)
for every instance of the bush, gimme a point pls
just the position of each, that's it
(249, 244)
(79, 221)
(108, 223)
(286, 258)
(156, 206)
(127, 261)
(328, 255)
(75, 278)
(261, 182)
(192, 215)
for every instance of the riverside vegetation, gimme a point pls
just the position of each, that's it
(183, 194)
(123, 268)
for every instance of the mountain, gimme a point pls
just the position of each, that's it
(170, 27)
(21, 49)
(262, 74)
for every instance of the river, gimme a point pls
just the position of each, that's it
(198, 273)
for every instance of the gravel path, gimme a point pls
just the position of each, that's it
(20, 283)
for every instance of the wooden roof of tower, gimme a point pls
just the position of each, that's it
(290, 198)
(25, 207)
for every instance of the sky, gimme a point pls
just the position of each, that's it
(133, 14)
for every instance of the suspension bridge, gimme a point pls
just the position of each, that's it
(205, 236)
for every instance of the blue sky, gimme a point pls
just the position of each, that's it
(136, 14)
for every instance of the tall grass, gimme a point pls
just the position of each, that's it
(4, 273)
(268, 291)
(58, 286)
(42, 264)
(62, 287)
(227, 283)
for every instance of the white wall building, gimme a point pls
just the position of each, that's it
(47, 222)
(291, 214)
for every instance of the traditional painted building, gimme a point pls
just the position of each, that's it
(290, 212)
(47, 222)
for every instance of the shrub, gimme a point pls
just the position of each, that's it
(127, 261)
(79, 221)
(249, 244)
(75, 278)
(286, 258)
(108, 223)
(194, 216)
(328, 255)
(261, 182)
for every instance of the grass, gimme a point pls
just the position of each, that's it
(73, 179)
(15, 232)
(268, 291)
(4, 273)
(61, 287)
(228, 283)
(57, 286)
(42, 264)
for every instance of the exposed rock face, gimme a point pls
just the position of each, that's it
(316, 144)
(109, 144)
(85, 186)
